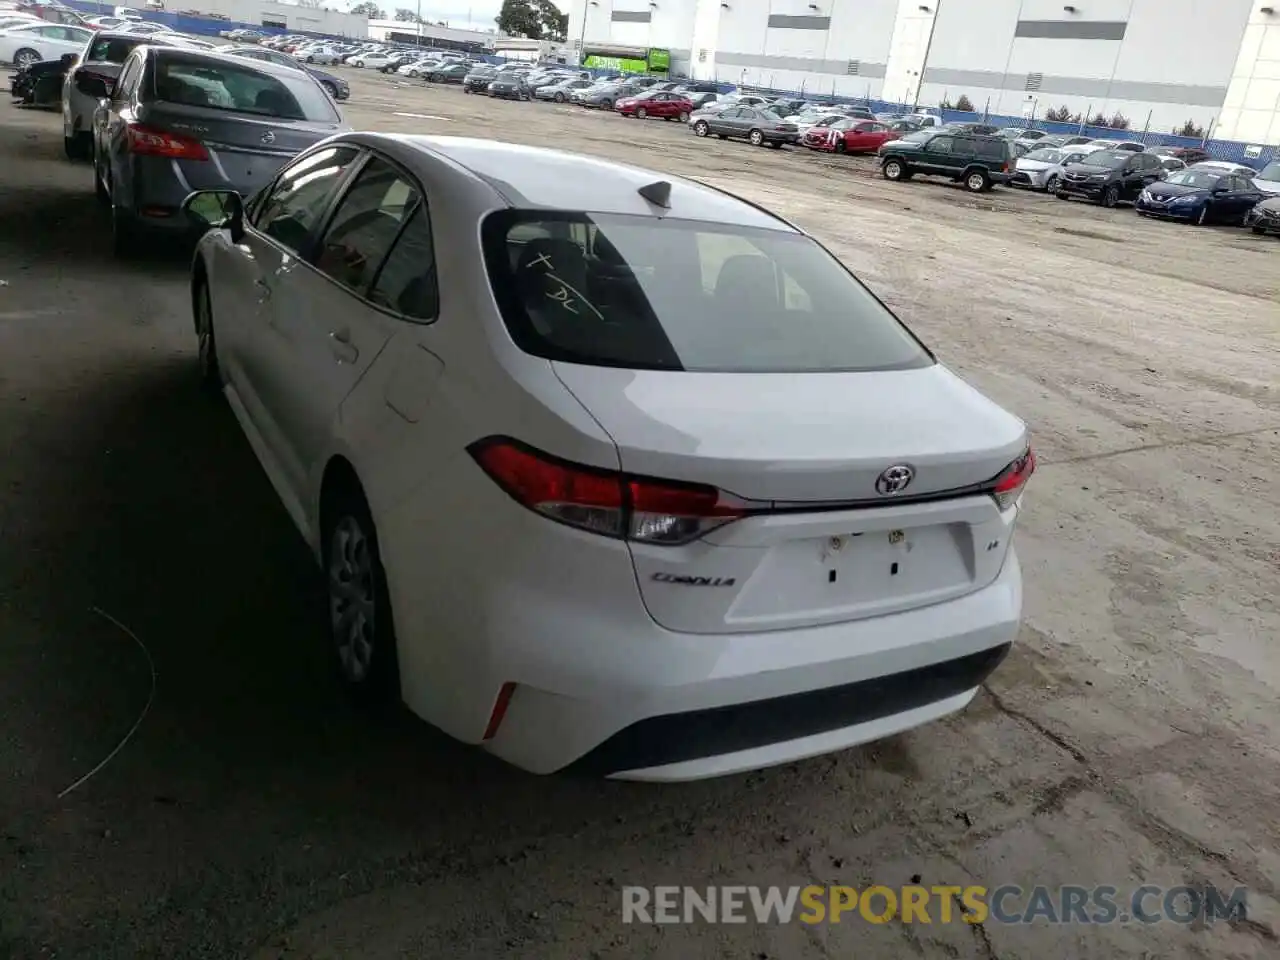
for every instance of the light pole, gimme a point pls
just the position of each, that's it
(924, 66)
(582, 34)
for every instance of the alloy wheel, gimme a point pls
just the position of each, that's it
(756, 138)
(700, 128)
(25, 59)
(353, 599)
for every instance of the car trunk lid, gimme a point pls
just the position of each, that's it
(245, 150)
(823, 541)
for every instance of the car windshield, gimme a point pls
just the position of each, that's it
(1200, 179)
(222, 86)
(1046, 155)
(1270, 173)
(111, 49)
(670, 294)
(1112, 159)
(919, 136)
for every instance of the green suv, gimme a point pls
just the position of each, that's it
(975, 160)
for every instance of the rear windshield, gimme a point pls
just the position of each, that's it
(644, 293)
(112, 49)
(993, 149)
(1108, 158)
(1200, 179)
(224, 86)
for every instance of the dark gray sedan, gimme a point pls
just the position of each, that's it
(606, 96)
(180, 120)
(757, 126)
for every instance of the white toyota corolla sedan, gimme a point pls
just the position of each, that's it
(608, 470)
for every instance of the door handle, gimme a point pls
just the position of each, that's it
(340, 345)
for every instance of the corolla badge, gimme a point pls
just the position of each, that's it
(268, 137)
(895, 479)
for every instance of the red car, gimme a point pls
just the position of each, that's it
(656, 103)
(849, 136)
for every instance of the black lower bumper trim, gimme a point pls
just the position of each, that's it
(678, 737)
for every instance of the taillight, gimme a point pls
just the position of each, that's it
(1008, 486)
(146, 141)
(606, 502)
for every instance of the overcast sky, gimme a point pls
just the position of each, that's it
(457, 13)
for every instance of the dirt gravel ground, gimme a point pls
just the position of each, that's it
(1132, 737)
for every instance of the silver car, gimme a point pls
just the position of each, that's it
(179, 120)
(102, 58)
(1042, 169)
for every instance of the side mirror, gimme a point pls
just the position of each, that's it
(92, 85)
(68, 58)
(216, 210)
(1220, 189)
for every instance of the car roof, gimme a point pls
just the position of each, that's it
(538, 177)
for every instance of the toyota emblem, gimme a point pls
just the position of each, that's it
(268, 137)
(895, 479)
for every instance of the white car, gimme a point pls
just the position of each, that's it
(807, 121)
(374, 60)
(1226, 168)
(320, 54)
(1042, 169)
(659, 491)
(1268, 178)
(418, 68)
(30, 43)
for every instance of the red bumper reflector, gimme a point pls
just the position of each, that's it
(499, 710)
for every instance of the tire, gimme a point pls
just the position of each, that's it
(1051, 185)
(331, 89)
(700, 129)
(435, 78)
(99, 187)
(358, 63)
(25, 57)
(683, 116)
(126, 239)
(977, 181)
(1110, 197)
(361, 633)
(755, 138)
(840, 147)
(1258, 230)
(641, 113)
(893, 170)
(206, 344)
(561, 98)
(73, 146)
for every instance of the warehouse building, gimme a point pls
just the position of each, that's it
(1158, 63)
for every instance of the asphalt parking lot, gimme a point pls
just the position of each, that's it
(1131, 738)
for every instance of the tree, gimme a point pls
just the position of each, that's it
(534, 19)
(1189, 129)
(369, 9)
(1058, 114)
(405, 15)
(964, 104)
(1118, 122)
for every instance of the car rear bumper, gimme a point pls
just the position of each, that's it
(731, 703)
(600, 687)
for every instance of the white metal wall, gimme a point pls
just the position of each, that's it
(1157, 62)
(1252, 109)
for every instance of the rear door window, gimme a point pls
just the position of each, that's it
(365, 224)
(296, 203)
(672, 294)
(992, 149)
